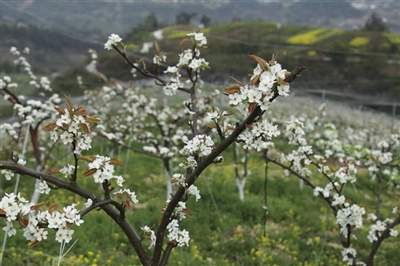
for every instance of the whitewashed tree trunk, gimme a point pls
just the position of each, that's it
(241, 182)
(167, 171)
(36, 195)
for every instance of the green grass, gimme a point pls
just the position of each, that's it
(300, 228)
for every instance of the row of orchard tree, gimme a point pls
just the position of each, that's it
(187, 138)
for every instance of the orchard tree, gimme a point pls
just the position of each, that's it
(193, 135)
(74, 126)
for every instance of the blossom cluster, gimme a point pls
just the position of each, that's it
(378, 227)
(349, 255)
(259, 135)
(175, 235)
(150, 235)
(43, 82)
(127, 193)
(15, 207)
(113, 40)
(200, 145)
(102, 169)
(350, 216)
(189, 58)
(180, 179)
(72, 127)
(267, 79)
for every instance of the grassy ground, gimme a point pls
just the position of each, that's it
(300, 228)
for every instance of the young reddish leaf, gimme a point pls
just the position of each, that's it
(90, 172)
(92, 119)
(251, 107)
(249, 127)
(115, 161)
(53, 208)
(255, 80)
(160, 220)
(273, 59)
(213, 125)
(37, 206)
(282, 82)
(232, 89)
(183, 41)
(127, 203)
(53, 171)
(49, 127)
(2, 211)
(188, 212)
(87, 158)
(157, 47)
(119, 195)
(85, 128)
(22, 221)
(163, 209)
(70, 106)
(60, 110)
(80, 111)
(237, 81)
(263, 64)
(34, 243)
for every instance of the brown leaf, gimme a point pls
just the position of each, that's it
(188, 212)
(282, 82)
(37, 206)
(60, 110)
(70, 106)
(34, 243)
(263, 64)
(2, 211)
(232, 89)
(249, 127)
(127, 203)
(87, 158)
(92, 119)
(115, 161)
(255, 80)
(49, 127)
(160, 220)
(183, 41)
(85, 128)
(90, 172)
(22, 221)
(273, 59)
(251, 107)
(53, 171)
(53, 208)
(237, 81)
(157, 47)
(81, 111)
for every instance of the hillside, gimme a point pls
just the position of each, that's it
(77, 17)
(349, 61)
(52, 51)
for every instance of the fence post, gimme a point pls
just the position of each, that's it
(393, 114)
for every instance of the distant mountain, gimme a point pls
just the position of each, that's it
(51, 51)
(94, 20)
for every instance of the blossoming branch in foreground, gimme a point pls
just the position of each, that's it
(16, 208)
